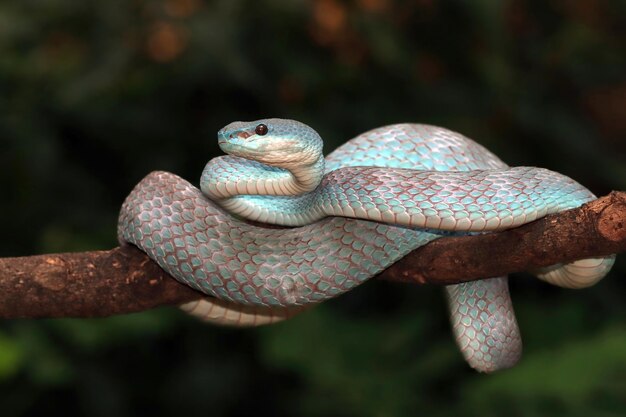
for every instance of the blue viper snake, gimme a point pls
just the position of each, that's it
(350, 214)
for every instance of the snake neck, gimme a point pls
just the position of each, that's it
(304, 178)
(281, 194)
(261, 192)
(228, 177)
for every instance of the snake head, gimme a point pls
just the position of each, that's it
(276, 142)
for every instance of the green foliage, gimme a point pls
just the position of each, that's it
(11, 357)
(96, 94)
(571, 377)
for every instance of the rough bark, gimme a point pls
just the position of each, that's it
(125, 280)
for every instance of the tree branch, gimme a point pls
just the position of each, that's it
(125, 280)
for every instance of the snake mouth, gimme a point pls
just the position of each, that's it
(240, 150)
(259, 150)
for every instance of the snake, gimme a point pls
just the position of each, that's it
(277, 227)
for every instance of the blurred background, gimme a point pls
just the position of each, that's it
(95, 94)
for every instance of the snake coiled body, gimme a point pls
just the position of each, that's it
(399, 187)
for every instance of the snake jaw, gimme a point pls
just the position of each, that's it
(269, 151)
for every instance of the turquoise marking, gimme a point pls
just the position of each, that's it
(199, 274)
(209, 267)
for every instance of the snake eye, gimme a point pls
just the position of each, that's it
(261, 130)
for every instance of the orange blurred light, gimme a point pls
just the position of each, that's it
(166, 41)
(329, 15)
(373, 6)
(181, 8)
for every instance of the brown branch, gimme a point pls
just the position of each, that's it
(596, 229)
(124, 280)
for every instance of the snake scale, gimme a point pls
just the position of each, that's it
(352, 214)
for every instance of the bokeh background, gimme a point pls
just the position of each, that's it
(95, 94)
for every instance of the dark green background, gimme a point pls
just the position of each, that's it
(94, 94)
